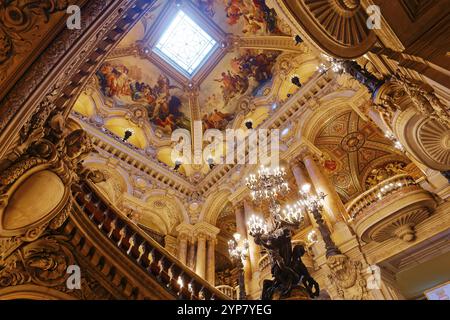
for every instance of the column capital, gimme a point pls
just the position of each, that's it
(238, 206)
(295, 161)
(205, 229)
(307, 151)
(185, 230)
(183, 236)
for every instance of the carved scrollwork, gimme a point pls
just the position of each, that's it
(346, 276)
(399, 93)
(18, 18)
(43, 262)
(426, 103)
(50, 154)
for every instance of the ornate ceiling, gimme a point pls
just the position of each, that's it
(136, 90)
(354, 150)
(247, 76)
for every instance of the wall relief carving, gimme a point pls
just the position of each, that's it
(346, 276)
(44, 263)
(49, 159)
(380, 174)
(18, 19)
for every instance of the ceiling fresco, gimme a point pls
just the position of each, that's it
(354, 151)
(240, 74)
(130, 81)
(244, 17)
(137, 94)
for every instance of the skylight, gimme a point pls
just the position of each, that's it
(185, 44)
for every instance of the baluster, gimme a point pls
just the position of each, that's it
(105, 217)
(180, 282)
(191, 289)
(113, 226)
(142, 249)
(131, 242)
(173, 272)
(202, 293)
(87, 197)
(163, 275)
(138, 240)
(122, 233)
(91, 214)
(95, 201)
(153, 266)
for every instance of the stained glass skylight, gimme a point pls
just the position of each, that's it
(185, 44)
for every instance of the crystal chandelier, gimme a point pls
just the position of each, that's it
(268, 185)
(238, 252)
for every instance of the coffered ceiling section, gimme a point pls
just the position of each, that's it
(356, 154)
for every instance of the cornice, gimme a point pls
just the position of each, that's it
(206, 229)
(136, 159)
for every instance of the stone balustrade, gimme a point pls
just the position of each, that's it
(229, 291)
(391, 209)
(366, 200)
(264, 267)
(142, 249)
(264, 263)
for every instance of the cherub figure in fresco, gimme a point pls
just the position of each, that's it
(252, 25)
(219, 119)
(262, 66)
(269, 15)
(232, 84)
(102, 75)
(258, 66)
(258, 17)
(234, 10)
(121, 80)
(226, 80)
(114, 80)
(163, 108)
(216, 120)
(162, 93)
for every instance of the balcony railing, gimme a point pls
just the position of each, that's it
(229, 291)
(264, 263)
(362, 204)
(142, 249)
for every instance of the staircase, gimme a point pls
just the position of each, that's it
(144, 261)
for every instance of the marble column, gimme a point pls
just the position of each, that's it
(335, 210)
(185, 251)
(191, 256)
(203, 231)
(182, 248)
(200, 265)
(241, 228)
(253, 248)
(211, 261)
(301, 178)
